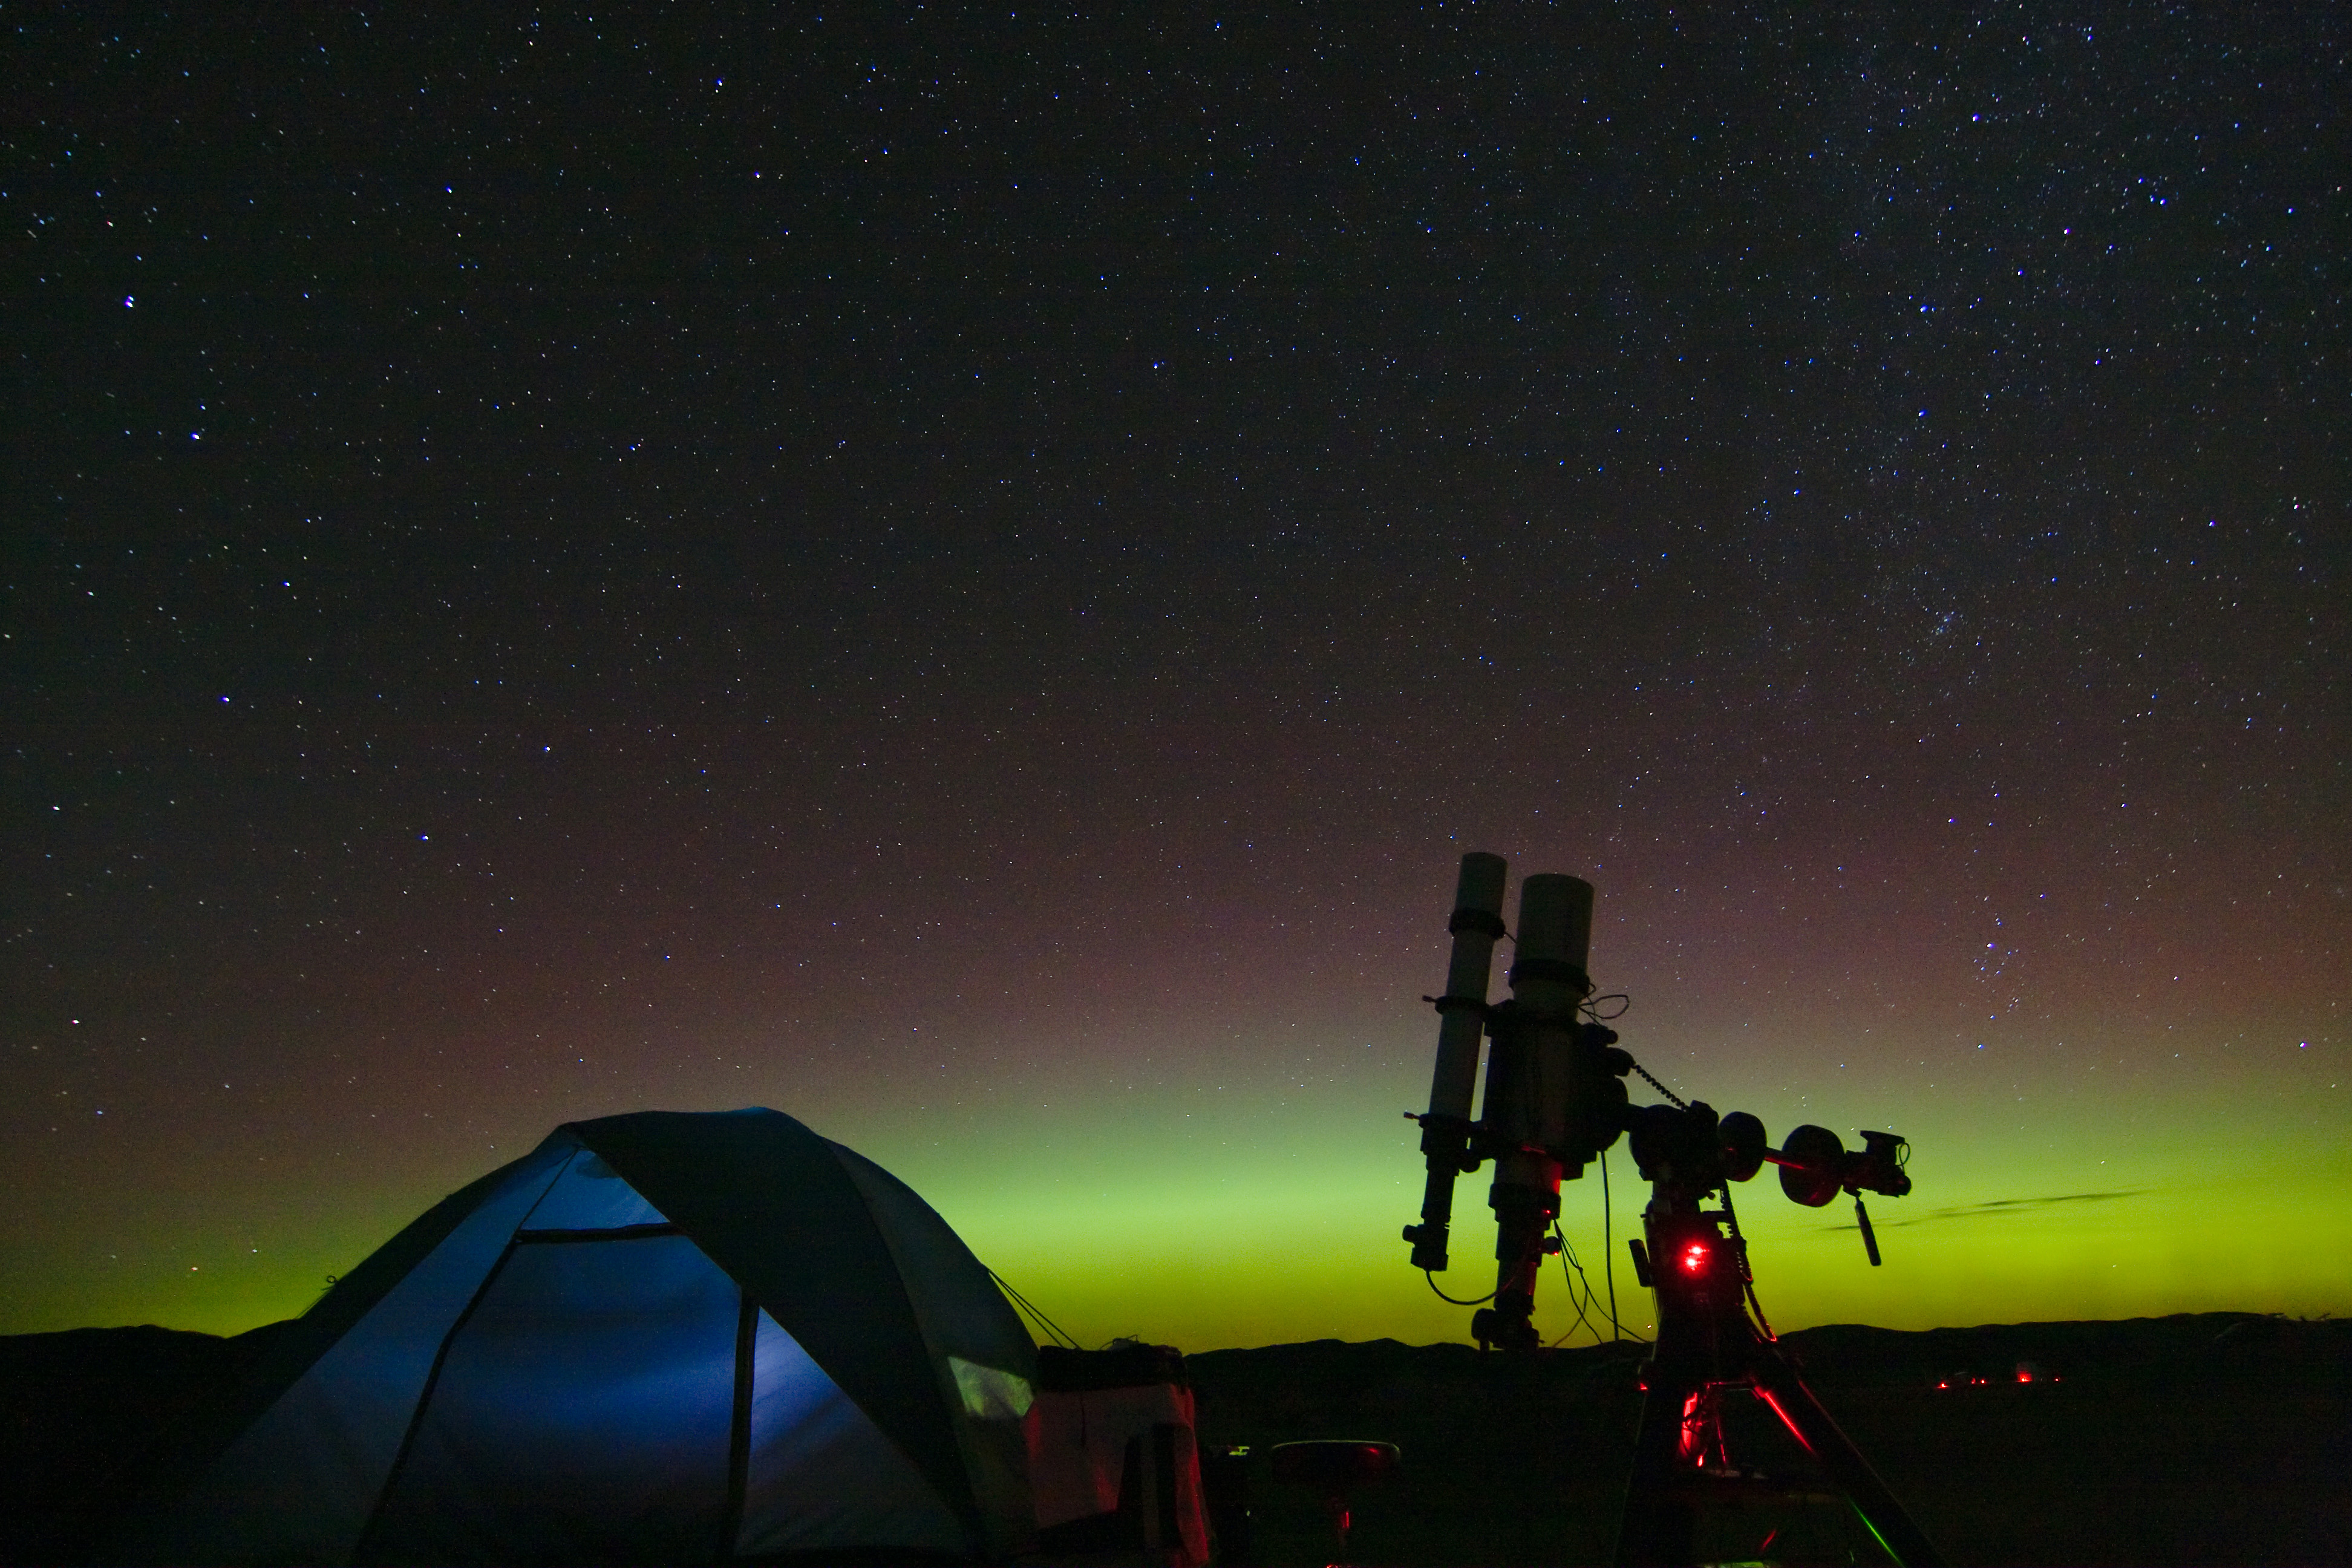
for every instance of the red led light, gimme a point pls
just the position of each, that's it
(1694, 1257)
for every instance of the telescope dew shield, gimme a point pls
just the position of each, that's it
(1548, 981)
(1532, 1080)
(1476, 925)
(1555, 939)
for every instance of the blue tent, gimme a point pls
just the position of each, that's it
(664, 1337)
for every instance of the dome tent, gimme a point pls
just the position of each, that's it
(661, 1337)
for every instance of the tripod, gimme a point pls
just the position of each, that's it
(1708, 1346)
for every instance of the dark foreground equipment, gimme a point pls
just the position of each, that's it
(1555, 1101)
(1332, 1469)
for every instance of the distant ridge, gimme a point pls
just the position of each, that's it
(1848, 1352)
(2233, 1429)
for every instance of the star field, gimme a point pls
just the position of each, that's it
(968, 576)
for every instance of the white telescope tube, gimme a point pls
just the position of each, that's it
(1476, 925)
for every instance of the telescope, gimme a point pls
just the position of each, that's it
(1555, 1101)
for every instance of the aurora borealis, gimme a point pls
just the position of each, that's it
(970, 577)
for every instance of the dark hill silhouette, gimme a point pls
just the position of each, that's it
(2206, 1438)
(84, 1413)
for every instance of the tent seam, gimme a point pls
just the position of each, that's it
(965, 1501)
(440, 1356)
(424, 1402)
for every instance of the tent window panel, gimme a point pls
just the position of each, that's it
(581, 1415)
(591, 1196)
(822, 1474)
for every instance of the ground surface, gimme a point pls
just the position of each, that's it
(2214, 1438)
(2218, 1438)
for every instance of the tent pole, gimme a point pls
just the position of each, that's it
(738, 1436)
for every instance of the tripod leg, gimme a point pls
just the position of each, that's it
(1657, 1528)
(1778, 1384)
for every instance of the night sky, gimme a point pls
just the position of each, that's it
(969, 576)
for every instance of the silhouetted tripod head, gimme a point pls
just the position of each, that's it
(1690, 1147)
(1687, 1149)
